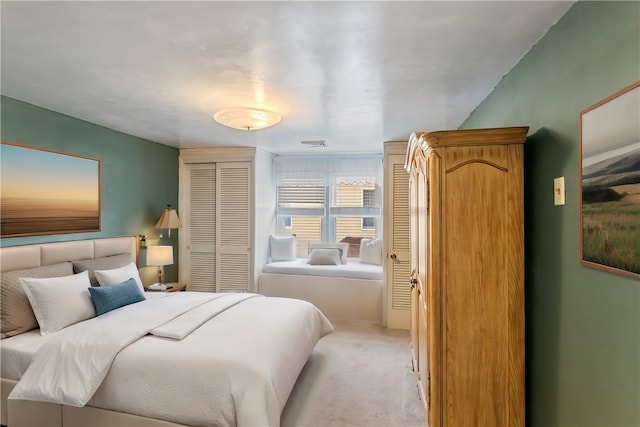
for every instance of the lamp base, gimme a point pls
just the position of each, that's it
(161, 274)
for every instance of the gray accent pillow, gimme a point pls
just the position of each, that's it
(324, 256)
(16, 315)
(103, 263)
(341, 246)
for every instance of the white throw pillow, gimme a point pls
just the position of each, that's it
(324, 256)
(371, 251)
(342, 247)
(58, 302)
(282, 248)
(116, 276)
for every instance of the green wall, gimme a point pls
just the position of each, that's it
(138, 177)
(583, 324)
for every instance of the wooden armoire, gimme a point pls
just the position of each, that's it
(467, 275)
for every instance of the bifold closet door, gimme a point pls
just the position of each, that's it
(233, 245)
(200, 227)
(218, 226)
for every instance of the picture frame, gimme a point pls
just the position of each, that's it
(47, 192)
(610, 183)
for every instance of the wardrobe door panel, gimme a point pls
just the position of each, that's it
(474, 291)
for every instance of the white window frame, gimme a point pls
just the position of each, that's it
(320, 169)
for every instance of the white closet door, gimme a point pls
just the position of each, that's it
(233, 249)
(398, 264)
(200, 226)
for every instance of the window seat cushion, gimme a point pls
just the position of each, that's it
(350, 270)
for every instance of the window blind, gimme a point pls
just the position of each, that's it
(301, 197)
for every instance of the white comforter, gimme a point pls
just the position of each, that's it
(214, 359)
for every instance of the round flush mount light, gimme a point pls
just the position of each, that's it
(246, 118)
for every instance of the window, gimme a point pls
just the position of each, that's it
(368, 197)
(328, 198)
(368, 200)
(286, 222)
(368, 223)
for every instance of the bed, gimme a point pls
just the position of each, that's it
(351, 291)
(183, 358)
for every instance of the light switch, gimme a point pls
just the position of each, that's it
(558, 191)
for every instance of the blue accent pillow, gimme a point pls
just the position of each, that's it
(107, 298)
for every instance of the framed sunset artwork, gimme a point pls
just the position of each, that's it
(610, 178)
(47, 192)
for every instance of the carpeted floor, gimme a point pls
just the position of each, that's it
(360, 375)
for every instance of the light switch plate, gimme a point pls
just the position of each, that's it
(558, 191)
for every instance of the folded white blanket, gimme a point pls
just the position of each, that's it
(188, 322)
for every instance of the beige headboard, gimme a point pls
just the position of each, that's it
(36, 255)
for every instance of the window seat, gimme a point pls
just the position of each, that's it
(350, 270)
(351, 291)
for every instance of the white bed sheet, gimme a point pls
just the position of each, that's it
(351, 270)
(16, 353)
(170, 379)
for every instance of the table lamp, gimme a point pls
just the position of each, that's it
(160, 256)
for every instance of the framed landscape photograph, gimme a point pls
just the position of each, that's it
(46, 192)
(610, 178)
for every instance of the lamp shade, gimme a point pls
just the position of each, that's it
(159, 255)
(169, 219)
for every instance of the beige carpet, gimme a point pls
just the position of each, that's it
(360, 375)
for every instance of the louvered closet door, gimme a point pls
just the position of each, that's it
(200, 227)
(398, 271)
(234, 227)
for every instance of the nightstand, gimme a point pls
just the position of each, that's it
(177, 287)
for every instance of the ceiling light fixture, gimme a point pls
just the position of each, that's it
(246, 118)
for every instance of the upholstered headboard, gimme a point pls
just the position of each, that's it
(36, 255)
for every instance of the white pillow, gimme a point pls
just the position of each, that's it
(116, 276)
(58, 302)
(324, 256)
(371, 251)
(282, 248)
(342, 247)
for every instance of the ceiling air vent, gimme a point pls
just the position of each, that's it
(313, 143)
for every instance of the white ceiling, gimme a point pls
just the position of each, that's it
(355, 74)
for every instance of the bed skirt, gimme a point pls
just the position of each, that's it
(338, 298)
(24, 413)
